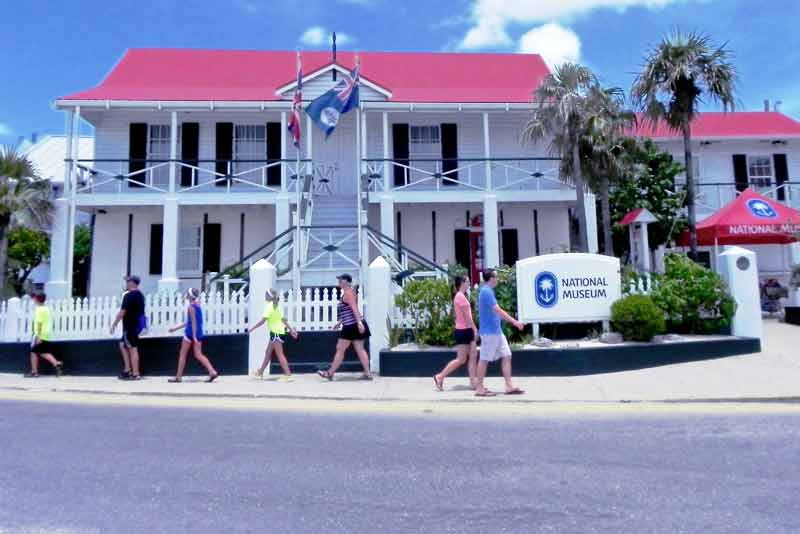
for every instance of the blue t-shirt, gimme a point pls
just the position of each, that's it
(489, 320)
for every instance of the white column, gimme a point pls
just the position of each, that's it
(645, 248)
(262, 278)
(283, 152)
(491, 241)
(11, 327)
(487, 152)
(589, 203)
(169, 282)
(387, 216)
(57, 285)
(379, 306)
(73, 179)
(173, 151)
(387, 182)
(282, 223)
(738, 267)
(309, 142)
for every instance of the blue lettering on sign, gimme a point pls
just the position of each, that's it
(761, 209)
(545, 287)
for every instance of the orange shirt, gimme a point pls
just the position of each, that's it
(462, 310)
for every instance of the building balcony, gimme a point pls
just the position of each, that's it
(712, 195)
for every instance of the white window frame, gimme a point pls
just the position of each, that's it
(184, 267)
(249, 133)
(427, 143)
(760, 179)
(156, 138)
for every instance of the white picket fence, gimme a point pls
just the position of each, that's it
(91, 318)
(641, 285)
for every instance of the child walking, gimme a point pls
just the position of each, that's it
(277, 326)
(40, 344)
(193, 338)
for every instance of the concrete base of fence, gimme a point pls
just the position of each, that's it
(228, 353)
(575, 361)
(792, 314)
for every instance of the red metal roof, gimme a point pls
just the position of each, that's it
(738, 124)
(240, 75)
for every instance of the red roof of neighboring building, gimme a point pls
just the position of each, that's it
(241, 75)
(736, 124)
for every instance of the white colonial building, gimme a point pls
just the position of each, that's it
(194, 172)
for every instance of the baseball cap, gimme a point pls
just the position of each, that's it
(346, 277)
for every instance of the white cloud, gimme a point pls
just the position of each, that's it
(5, 129)
(248, 6)
(555, 43)
(491, 18)
(320, 36)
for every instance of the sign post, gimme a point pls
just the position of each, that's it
(567, 288)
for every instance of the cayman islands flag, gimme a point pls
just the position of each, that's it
(327, 108)
(294, 118)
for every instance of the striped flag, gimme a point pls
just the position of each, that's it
(294, 119)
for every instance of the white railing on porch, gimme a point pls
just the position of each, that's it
(711, 196)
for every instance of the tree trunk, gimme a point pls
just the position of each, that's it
(690, 190)
(3, 257)
(580, 207)
(605, 207)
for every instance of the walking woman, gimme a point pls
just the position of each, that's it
(193, 338)
(465, 334)
(354, 330)
(40, 344)
(277, 326)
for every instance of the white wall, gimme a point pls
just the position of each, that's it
(109, 255)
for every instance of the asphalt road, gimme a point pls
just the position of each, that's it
(82, 468)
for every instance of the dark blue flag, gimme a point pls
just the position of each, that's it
(327, 108)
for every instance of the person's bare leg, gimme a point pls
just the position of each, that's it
(267, 358)
(362, 354)
(34, 364)
(50, 359)
(506, 367)
(182, 358)
(203, 359)
(134, 361)
(472, 364)
(341, 347)
(451, 367)
(126, 358)
(480, 376)
(282, 358)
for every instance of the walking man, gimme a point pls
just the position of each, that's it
(494, 345)
(40, 345)
(131, 313)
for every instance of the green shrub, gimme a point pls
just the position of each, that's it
(429, 301)
(637, 318)
(693, 299)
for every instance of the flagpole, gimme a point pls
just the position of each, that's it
(298, 236)
(361, 251)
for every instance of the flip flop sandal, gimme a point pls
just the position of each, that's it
(515, 391)
(487, 394)
(175, 380)
(326, 375)
(439, 385)
(365, 378)
(31, 375)
(59, 369)
(212, 378)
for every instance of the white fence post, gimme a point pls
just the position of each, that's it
(738, 267)
(379, 300)
(13, 310)
(262, 278)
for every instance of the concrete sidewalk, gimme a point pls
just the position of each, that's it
(772, 374)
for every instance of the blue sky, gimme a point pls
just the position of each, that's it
(48, 49)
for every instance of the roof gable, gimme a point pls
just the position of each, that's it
(319, 74)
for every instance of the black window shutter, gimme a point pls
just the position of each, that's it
(212, 245)
(156, 247)
(449, 138)
(740, 171)
(509, 246)
(137, 152)
(274, 153)
(462, 248)
(190, 150)
(224, 150)
(400, 151)
(781, 174)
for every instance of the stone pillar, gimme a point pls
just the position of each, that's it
(169, 282)
(491, 242)
(11, 329)
(379, 306)
(58, 287)
(589, 206)
(739, 269)
(262, 278)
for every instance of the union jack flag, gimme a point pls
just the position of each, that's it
(294, 118)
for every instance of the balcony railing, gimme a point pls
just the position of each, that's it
(711, 196)
(468, 174)
(120, 176)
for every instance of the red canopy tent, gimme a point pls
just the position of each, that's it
(751, 219)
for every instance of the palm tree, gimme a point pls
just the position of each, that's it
(677, 75)
(602, 147)
(562, 106)
(24, 199)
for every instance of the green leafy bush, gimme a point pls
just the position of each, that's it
(694, 299)
(637, 318)
(429, 301)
